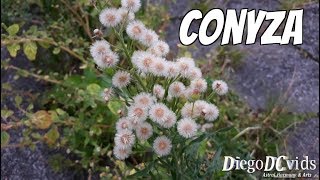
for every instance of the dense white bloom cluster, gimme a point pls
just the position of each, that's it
(163, 98)
(102, 55)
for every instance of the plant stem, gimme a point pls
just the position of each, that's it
(244, 131)
(66, 49)
(35, 75)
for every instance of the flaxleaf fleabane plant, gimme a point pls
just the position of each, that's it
(165, 100)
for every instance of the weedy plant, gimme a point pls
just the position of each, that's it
(167, 102)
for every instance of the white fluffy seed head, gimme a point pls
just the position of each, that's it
(121, 79)
(126, 15)
(169, 120)
(172, 69)
(131, 5)
(109, 59)
(122, 124)
(158, 91)
(187, 127)
(135, 122)
(176, 89)
(211, 112)
(143, 61)
(191, 93)
(135, 29)
(110, 17)
(158, 112)
(195, 73)
(199, 107)
(159, 48)
(121, 153)
(220, 87)
(99, 48)
(199, 84)
(144, 99)
(158, 68)
(144, 131)
(162, 146)
(124, 139)
(169, 98)
(137, 112)
(149, 37)
(187, 111)
(206, 126)
(185, 65)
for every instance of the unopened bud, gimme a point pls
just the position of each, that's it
(120, 112)
(203, 112)
(109, 153)
(91, 132)
(98, 149)
(107, 168)
(103, 174)
(97, 33)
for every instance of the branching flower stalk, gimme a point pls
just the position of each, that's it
(164, 111)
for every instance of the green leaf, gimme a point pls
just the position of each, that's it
(214, 165)
(6, 86)
(6, 113)
(18, 100)
(114, 106)
(56, 50)
(41, 119)
(225, 129)
(30, 107)
(30, 50)
(44, 44)
(202, 149)
(96, 130)
(13, 29)
(94, 89)
(5, 138)
(52, 135)
(143, 172)
(61, 112)
(13, 49)
(36, 135)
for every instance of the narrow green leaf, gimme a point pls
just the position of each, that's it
(30, 50)
(224, 129)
